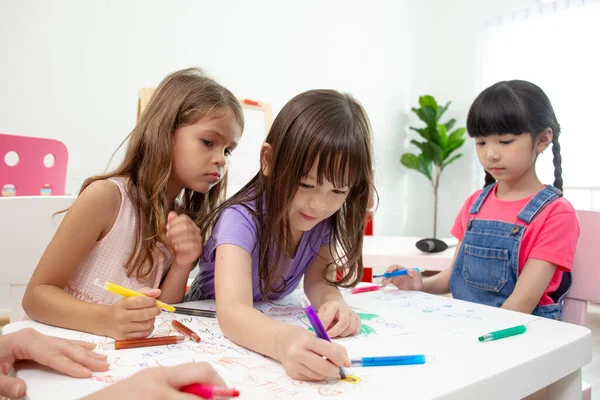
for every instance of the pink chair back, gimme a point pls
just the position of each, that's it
(586, 269)
(40, 166)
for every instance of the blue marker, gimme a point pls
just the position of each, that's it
(398, 272)
(387, 361)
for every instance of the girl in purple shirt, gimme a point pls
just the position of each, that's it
(303, 214)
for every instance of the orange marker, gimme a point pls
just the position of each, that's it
(252, 102)
(184, 330)
(143, 342)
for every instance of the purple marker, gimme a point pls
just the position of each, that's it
(314, 320)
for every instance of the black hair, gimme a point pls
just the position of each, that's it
(515, 107)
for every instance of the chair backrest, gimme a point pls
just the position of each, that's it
(27, 227)
(38, 166)
(586, 269)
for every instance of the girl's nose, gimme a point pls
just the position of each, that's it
(316, 203)
(492, 154)
(220, 160)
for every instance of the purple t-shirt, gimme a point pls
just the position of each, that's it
(236, 226)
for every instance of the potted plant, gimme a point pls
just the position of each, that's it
(438, 148)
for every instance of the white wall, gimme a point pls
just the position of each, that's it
(71, 70)
(455, 78)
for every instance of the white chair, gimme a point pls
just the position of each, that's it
(27, 226)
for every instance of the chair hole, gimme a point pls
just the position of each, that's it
(9, 190)
(46, 190)
(11, 158)
(49, 160)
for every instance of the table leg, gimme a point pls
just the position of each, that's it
(567, 388)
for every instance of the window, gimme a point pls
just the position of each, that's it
(555, 45)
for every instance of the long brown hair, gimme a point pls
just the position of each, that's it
(182, 98)
(333, 128)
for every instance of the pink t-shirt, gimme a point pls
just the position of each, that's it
(551, 236)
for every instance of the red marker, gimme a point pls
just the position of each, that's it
(252, 102)
(365, 289)
(209, 392)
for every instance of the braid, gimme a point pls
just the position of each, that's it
(489, 179)
(557, 160)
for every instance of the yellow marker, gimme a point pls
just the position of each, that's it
(125, 292)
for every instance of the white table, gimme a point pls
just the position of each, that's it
(379, 252)
(549, 353)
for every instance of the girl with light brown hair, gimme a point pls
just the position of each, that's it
(137, 225)
(302, 215)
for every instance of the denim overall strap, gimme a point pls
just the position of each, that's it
(538, 202)
(529, 212)
(476, 206)
(487, 264)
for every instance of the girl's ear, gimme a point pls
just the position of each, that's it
(266, 155)
(544, 139)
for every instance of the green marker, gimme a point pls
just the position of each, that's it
(515, 330)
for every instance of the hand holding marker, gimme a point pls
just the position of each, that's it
(126, 292)
(314, 320)
(398, 272)
(386, 275)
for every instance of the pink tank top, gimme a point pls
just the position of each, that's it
(107, 259)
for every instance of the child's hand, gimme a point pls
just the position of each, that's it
(339, 319)
(410, 281)
(186, 239)
(161, 383)
(301, 354)
(133, 317)
(71, 357)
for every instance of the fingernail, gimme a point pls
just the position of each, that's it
(16, 390)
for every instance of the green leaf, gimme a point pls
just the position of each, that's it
(438, 153)
(424, 132)
(431, 150)
(425, 166)
(423, 146)
(453, 146)
(428, 101)
(456, 135)
(439, 139)
(434, 134)
(410, 160)
(427, 115)
(442, 137)
(441, 111)
(456, 157)
(421, 163)
(450, 124)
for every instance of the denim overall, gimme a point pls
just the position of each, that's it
(487, 265)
